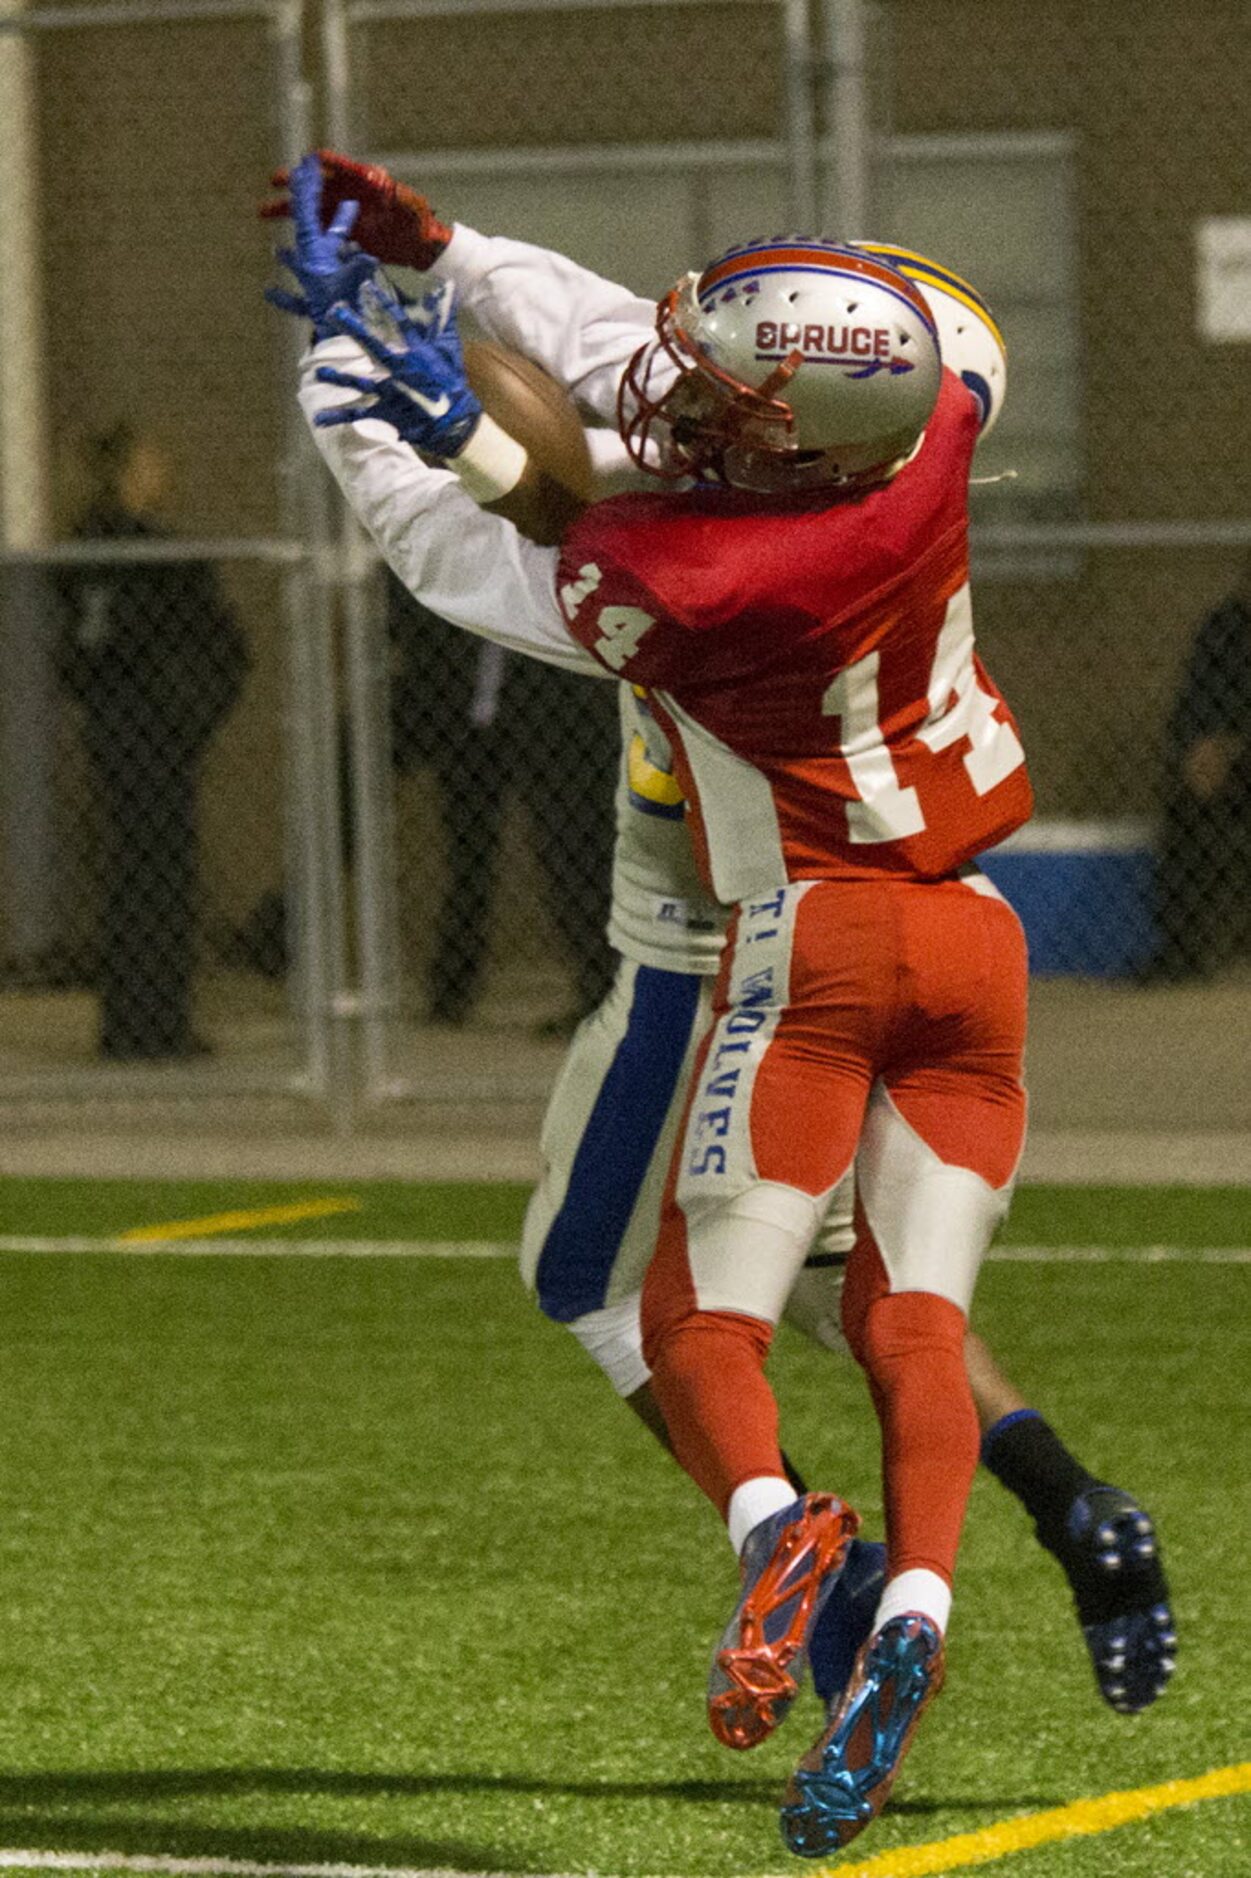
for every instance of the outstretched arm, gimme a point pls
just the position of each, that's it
(470, 567)
(387, 381)
(581, 329)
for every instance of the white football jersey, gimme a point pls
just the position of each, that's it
(583, 330)
(661, 913)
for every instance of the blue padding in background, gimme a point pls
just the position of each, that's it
(1085, 912)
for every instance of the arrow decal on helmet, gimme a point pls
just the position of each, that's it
(879, 365)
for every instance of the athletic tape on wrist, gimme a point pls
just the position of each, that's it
(491, 463)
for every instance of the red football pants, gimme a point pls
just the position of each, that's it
(883, 1021)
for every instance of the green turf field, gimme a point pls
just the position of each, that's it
(356, 1560)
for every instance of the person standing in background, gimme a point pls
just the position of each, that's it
(1203, 862)
(490, 726)
(154, 657)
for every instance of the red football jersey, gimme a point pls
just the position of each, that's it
(814, 664)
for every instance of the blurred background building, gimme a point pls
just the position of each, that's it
(1080, 163)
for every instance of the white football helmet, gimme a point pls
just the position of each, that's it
(788, 364)
(972, 345)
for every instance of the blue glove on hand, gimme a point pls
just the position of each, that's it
(328, 267)
(425, 395)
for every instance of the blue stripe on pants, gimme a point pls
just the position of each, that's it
(617, 1145)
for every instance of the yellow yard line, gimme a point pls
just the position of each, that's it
(917, 1861)
(238, 1221)
(1083, 1817)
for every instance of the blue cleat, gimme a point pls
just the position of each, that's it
(846, 1620)
(1111, 1558)
(790, 1566)
(844, 1780)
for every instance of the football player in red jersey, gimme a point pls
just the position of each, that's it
(869, 979)
(801, 619)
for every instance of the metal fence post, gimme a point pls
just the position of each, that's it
(316, 920)
(366, 696)
(848, 182)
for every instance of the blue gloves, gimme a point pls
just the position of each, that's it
(328, 267)
(425, 395)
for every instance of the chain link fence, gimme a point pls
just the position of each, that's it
(1091, 191)
(485, 782)
(1112, 520)
(165, 649)
(218, 835)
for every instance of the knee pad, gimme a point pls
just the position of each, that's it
(931, 1223)
(746, 1252)
(613, 1338)
(815, 1302)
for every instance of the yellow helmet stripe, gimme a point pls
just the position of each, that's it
(927, 272)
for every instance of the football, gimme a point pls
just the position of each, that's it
(540, 414)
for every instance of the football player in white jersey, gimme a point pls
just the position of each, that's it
(591, 1223)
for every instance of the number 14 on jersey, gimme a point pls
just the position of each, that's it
(959, 709)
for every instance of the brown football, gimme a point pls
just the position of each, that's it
(541, 415)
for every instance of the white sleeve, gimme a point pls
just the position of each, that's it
(615, 469)
(469, 567)
(581, 329)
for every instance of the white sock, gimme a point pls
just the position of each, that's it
(916, 1590)
(755, 1500)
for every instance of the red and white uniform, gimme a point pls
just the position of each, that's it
(846, 756)
(815, 664)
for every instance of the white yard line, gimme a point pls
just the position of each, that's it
(501, 1249)
(1121, 1254)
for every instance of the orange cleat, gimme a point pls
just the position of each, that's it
(790, 1566)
